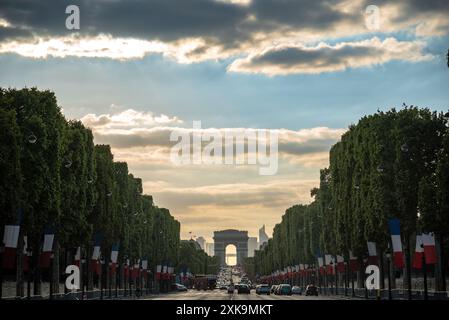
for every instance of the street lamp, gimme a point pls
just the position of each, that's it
(388, 256)
(424, 270)
(30, 272)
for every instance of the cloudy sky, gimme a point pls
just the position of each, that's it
(136, 70)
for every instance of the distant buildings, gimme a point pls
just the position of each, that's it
(252, 246)
(210, 249)
(202, 242)
(263, 238)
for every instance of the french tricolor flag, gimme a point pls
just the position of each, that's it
(353, 262)
(95, 265)
(10, 239)
(372, 252)
(78, 256)
(430, 252)
(158, 271)
(321, 265)
(97, 247)
(47, 249)
(26, 253)
(419, 252)
(145, 268)
(114, 257)
(126, 269)
(395, 231)
(329, 261)
(340, 264)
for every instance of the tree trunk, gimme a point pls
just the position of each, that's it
(19, 269)
(408, 269)
(55, 268)
(440, 281)
(37, 270)
(381, 269)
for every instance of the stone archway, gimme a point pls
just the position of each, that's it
(225, 237)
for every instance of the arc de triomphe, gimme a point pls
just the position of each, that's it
(225, 237)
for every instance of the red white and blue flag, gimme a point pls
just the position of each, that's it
(96, 267)
(47, 249)
(372, 252)
(329, 262)
(10, 240)
(419, 252)
(77, 258)
(26, 255)
(114, 257)
(353, 262)
(340, 264)
(430, 252)
(395, 231)
(158, 271)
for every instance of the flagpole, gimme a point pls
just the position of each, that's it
(424, 270)
(30, 271)
(51, 277)
(388, 255)
(2, 249)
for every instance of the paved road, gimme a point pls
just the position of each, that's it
(223, 295)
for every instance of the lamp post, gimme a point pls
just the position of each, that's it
(124, 280)
(30, 273)
(110, 279)
(346, 277)
(101, 276)
(424, 270)
(2, 249)
(388, 256)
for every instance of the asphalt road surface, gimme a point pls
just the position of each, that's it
(223, 295)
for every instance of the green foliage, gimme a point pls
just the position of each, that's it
(193, 258)
(391, 164)
(52, 170)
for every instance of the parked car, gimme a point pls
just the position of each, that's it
(273, 289)
(311, 290)
(243, 288)
(231, 289)
(284, 290)
(179, 287)
(263, 289)
(296, 290)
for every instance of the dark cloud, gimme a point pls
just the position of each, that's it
(304, 14)
(326, 58)
(303, 56)
(9, 33)
(156, 19)
(225, 29)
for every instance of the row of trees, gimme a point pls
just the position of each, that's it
(391, 164)
(194, 259)
(54, 176)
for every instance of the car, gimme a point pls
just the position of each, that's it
(223, 287)
(231, 289)
(284, 290)
(296, 290)
(311, 290)
(243, 288)
(273, 288)
(262, 289)
(179, 287)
